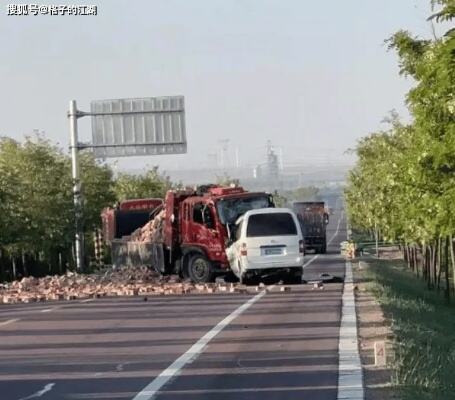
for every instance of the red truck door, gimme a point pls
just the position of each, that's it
(202, 231)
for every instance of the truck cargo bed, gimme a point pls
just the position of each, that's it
(128, 253)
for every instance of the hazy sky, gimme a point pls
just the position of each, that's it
(311, 76)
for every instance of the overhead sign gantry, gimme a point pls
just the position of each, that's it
(124, 128)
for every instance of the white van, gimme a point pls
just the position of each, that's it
(267, 241)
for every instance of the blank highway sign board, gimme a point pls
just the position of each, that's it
(138, 127)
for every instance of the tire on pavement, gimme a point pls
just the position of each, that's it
(293, 277)
(200, 269)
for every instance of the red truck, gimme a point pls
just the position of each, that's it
(194, 233)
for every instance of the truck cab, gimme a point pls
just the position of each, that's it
(198, 227)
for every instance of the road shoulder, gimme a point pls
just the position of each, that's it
(372, 327)
(422, 363)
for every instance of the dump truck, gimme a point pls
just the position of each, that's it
(189, 232)
(313, 217)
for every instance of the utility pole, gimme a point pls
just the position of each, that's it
(73, 115)
(213, 160)
(224, 152)
(280, 157)
(237, 157)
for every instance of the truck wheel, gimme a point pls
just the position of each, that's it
(200, 269)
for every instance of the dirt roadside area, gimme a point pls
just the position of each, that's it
(373, 327)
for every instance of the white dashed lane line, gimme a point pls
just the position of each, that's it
(39, 393)
(150, 391)
(9, 321)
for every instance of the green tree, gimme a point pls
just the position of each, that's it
(280, 200)
(37, 190)
(37, 212)
(404, 182)
(98, 189)
(226, 180)
(306, 193)
(151, 184)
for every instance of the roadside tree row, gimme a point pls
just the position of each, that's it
(403, 186)
(36, 204)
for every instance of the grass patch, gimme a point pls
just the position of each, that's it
(424, 328)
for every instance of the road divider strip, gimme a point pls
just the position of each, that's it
(153, 387)
(350, 378)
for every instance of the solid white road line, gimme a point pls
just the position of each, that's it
(46, 310)
(9, 321)
(337, 230)
(310, 260)
(47, 388)
(350, 379)
(153, 387)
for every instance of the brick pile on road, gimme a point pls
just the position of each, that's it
(119, 282)
(152, 231)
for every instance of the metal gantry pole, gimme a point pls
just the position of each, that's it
(72, 117)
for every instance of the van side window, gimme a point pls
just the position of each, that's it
(197, 213)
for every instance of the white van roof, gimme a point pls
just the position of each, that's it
(264, 211)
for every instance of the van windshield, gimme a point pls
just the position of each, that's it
(229, 210)
(274, 224)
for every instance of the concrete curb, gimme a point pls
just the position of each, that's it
(350, 377)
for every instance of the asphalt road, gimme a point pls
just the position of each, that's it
(284, 346)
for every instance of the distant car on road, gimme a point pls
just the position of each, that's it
(267, 242)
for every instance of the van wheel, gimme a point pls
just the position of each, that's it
(293, 277)
(200, 269)
(231, 278)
